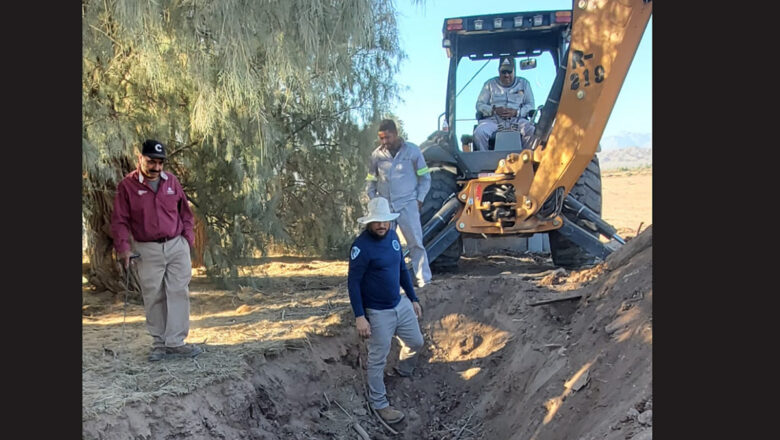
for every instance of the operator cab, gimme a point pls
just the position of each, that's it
(474, 44)
(507, 136)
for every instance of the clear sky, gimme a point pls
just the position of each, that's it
(423, 75)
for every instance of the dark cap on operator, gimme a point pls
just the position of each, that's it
(153, 149)
(506, 64)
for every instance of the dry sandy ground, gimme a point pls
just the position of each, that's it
(515, 349)
(627, 200)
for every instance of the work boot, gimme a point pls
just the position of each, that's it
(156, 354)
(402, 373)
(186, 350)
(390, 415)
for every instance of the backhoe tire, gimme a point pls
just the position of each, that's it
(587, 191)
(443, 184)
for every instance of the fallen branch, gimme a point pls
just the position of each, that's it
(342, 408)
(464, 426)
(559, 271)
(355, 424)
(165, 383)
(169, 372)
(361, 432)
(556, 298)
(306, 338)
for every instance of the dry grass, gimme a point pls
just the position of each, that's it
(229, 325)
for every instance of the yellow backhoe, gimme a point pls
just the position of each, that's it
(552, 184)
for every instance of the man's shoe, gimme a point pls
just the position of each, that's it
(401, 373)
(186, 350)
(390, 415)
(157, 354)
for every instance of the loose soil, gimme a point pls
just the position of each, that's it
(515, 349)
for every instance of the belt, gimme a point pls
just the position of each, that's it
(163, 240)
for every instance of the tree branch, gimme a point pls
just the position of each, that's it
(121, 48)
(184, 147)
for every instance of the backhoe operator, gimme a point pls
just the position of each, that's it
(504, 99)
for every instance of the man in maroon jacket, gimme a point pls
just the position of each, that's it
(150, 205)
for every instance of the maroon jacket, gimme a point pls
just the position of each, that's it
(147, 215)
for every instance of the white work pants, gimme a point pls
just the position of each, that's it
(411, 229)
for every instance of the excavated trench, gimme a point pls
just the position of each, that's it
(509, 354)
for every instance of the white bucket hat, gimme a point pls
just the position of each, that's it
(378, 211)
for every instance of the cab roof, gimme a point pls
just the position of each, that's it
(511, 33)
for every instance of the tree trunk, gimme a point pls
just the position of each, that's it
(199, 246)
(105, 273)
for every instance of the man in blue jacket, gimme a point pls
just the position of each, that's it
(376, 273)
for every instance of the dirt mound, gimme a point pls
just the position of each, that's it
(515, 349)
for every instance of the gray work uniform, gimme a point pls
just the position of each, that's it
(517, 96)
(403, 180)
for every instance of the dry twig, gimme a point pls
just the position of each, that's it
(169, 372)
(464, 426)
(342, 408)
(361, 432)
(165, 383)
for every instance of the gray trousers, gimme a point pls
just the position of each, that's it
(488, 126)
(165, 270)
(400, 321)
(409, 223)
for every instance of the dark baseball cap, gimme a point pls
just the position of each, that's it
(506, 63)
(154, 149)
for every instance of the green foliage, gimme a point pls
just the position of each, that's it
(266, 108)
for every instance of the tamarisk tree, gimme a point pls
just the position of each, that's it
(268, 110)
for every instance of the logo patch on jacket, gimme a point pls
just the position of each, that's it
(396, 245)
(142, 192)
(170, 191)
(354, 253)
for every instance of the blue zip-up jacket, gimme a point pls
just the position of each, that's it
(376, 270)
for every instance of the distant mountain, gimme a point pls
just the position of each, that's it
(625, 139)
(629, 157)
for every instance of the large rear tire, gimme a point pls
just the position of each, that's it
(443, 184)
(587, 191)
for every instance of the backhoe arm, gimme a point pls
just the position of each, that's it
(604, 38)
